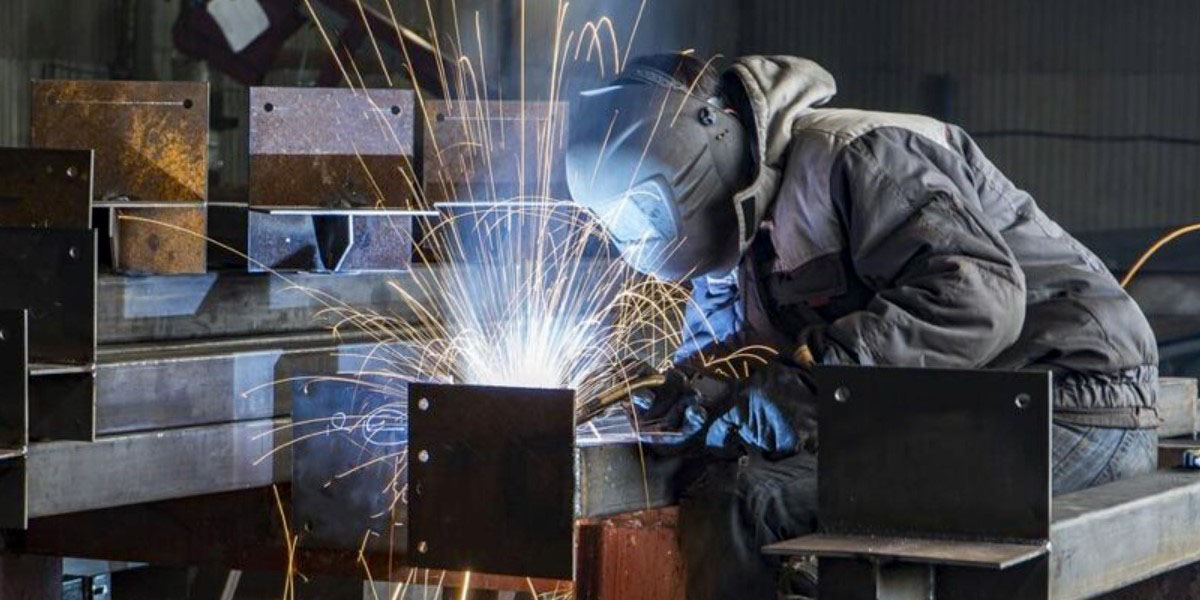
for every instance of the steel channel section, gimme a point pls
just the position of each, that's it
(348, 463)
(52, 273)
(46, 188)
(930, 453)
(491, 480)
(151, 153)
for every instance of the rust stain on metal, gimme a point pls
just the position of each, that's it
(634, 556)
(476, 156)
(149, 248)
(151, 145)
(331, 181)
(150, 138)
(332, 148)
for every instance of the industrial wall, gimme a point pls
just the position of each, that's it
(1092, 105)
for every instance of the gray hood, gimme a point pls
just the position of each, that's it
(780, 89)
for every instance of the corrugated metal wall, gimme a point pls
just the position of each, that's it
(1111, 68)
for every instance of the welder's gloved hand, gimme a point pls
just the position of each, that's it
(679, 410)
(775, 412)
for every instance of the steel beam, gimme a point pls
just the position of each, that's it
(224, 304)
(69, 477)
(1108, 537)
(491, 480)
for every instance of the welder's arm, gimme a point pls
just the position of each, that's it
(948, 290)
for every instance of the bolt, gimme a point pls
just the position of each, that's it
(423, 456)
(423, 404)
(73, 252)
(422, 547)
(1023, 401)
(841, 394)
(72, 172)
(3, 335)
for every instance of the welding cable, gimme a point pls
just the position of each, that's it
(1154, 248)
(619, 393)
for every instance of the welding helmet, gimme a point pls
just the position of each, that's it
(657, 156)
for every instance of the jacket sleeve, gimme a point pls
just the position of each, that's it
(947, 289)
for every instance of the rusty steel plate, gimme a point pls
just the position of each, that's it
(473, 151)
(154, 244)
(150, 137)
(151, 148)
(45, 188)
(491, 479)
(332, 148)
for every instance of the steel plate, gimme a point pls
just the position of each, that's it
(490, 484)
(934, 453)
(150, 137)
(332, 148)
(52, 272)
(45, 188)
(348, 463)
(151, 146)
(494, 151)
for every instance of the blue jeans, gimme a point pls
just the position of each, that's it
(730, 509)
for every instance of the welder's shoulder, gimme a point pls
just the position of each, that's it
(829, 130)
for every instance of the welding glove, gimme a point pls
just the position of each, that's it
(677, 412)
(775, 412)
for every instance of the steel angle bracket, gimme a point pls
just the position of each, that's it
(14, 417)
(151, 163)
(491, 479)
(51, 273)
(934, 484)
(348, 462)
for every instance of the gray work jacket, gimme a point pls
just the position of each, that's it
(890, 239)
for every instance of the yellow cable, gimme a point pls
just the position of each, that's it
(1154, 248)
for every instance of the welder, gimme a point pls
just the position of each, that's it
(837, 237)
